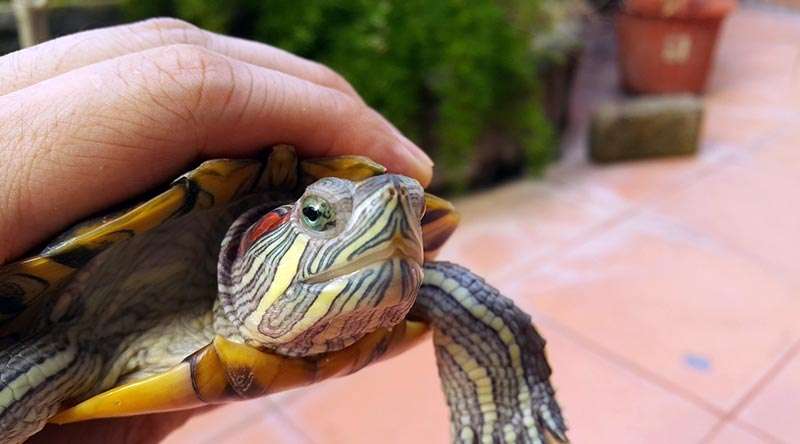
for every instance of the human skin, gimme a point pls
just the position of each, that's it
(91, 119)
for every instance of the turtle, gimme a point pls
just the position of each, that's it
(245, 277)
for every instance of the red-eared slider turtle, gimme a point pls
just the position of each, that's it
(247, 277)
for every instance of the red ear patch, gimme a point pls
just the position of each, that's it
(269, 222)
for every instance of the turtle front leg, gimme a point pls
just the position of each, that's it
(491, 360)
(36, 376)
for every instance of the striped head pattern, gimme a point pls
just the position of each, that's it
(316, 276)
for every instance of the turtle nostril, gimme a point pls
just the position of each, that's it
(390, 193)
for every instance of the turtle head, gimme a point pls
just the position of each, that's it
(343, 261)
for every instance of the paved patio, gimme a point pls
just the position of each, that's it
(669, 291)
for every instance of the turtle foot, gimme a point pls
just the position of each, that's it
(491, 360)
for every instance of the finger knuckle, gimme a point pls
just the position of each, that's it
(347, 109)
(374, 132)
(169, 31)
(15, 198)
(188, 80)
(166, 23)
(342, 105)
(361, 114)
(195, 68)
(189, 56)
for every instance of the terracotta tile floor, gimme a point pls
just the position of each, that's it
(669, 290)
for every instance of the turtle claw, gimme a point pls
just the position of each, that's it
(552, 420)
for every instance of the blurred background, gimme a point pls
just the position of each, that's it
(628, 172)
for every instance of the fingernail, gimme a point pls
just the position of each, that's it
(419, 154)
(421, 163)
(412, 148)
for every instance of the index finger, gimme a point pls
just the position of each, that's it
(58, 56)
(94, 136)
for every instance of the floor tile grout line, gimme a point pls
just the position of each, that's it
(768, 111)
(638, 370)
(754, 390)
(651, 203)
(284, 417)
(704, 172)
(759, 261)
(773, 9)
(766, 436)
(222, 432)
(717, 428)
(573, 242)
(266, 408)
(759, 144)
(632, 209)
(757, 431)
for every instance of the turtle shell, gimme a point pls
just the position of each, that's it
(29, 285)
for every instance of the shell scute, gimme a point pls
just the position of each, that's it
(27, 284)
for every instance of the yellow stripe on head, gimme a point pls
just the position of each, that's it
(283, 277)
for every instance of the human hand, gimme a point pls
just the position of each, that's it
(90, 119)
(93, 118)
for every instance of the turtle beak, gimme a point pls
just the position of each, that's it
(438, 224)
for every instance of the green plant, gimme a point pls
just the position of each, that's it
(443, 71)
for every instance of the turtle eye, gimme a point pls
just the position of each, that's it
(317, 213)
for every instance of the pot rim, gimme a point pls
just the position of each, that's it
(679, 9)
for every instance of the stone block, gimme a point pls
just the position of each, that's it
(644, 127)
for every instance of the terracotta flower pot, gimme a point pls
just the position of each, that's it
(667, 46)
